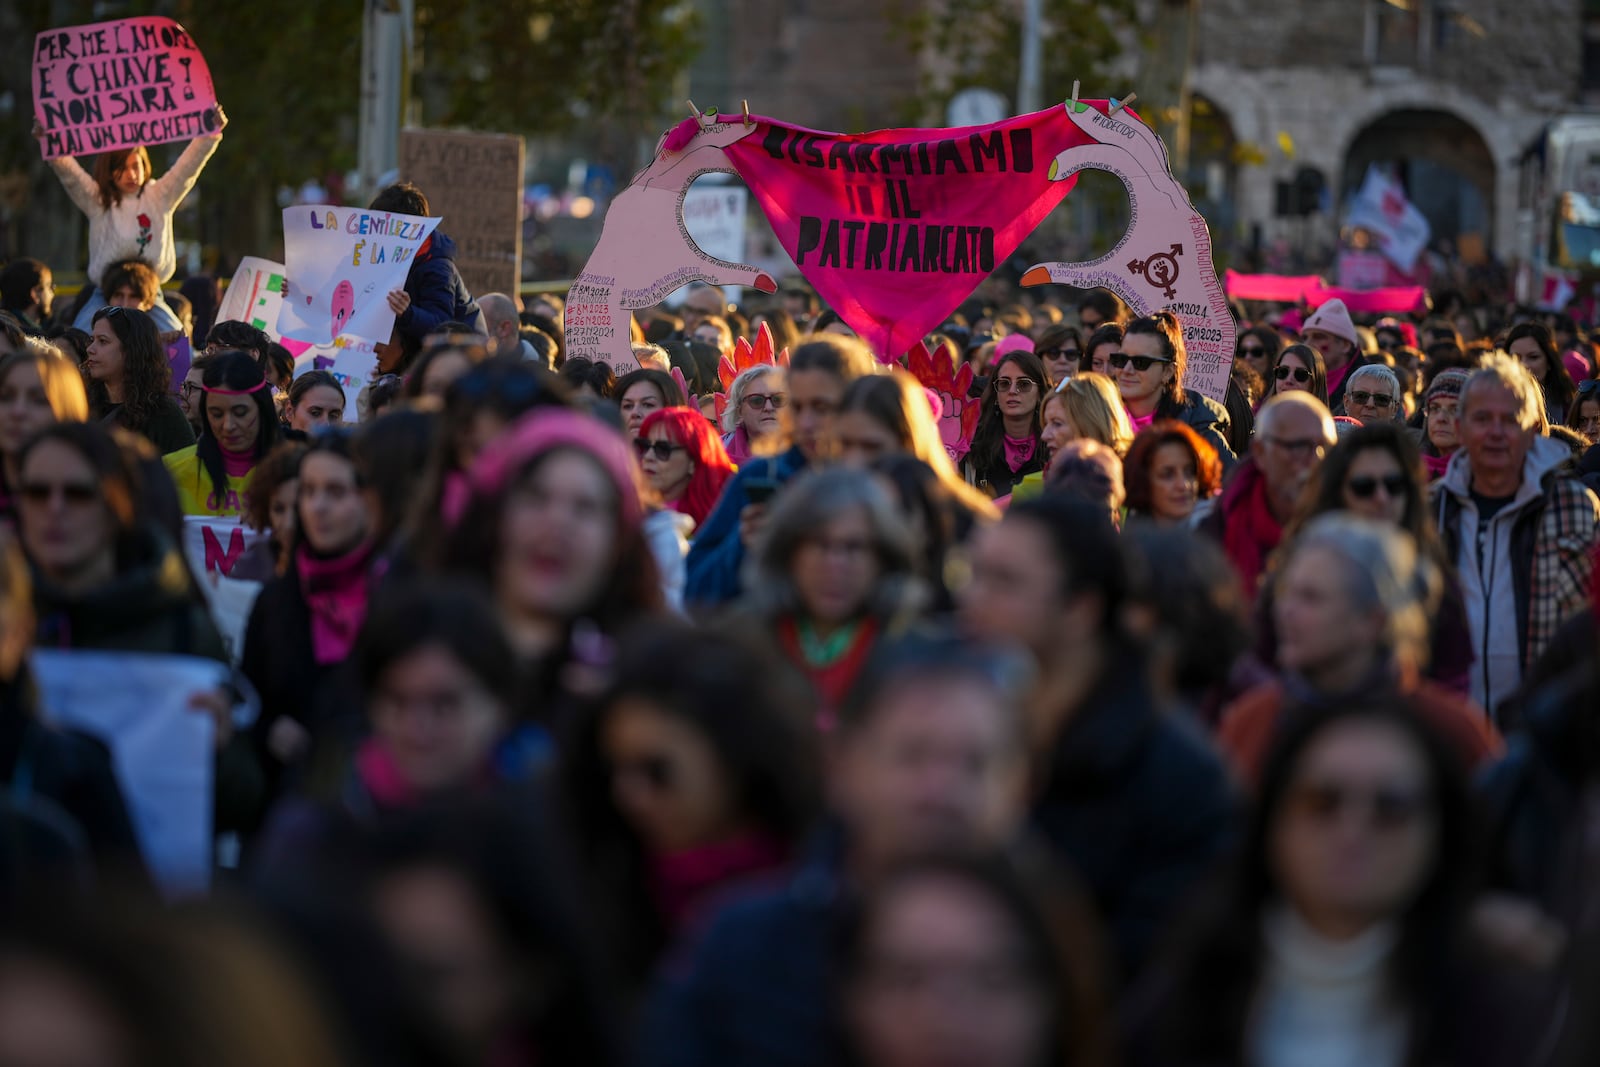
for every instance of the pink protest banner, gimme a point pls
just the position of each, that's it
(1163, 262)
(1279, 288)
(135, 81)
(645, 252)
(1407, 299)
(895, 228)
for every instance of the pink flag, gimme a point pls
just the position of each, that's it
(895, 228)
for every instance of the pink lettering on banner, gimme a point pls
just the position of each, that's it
(214, 545)
(895, 228)
(220, 560)
(135, 81)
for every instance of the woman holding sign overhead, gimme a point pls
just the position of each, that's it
(130, 210)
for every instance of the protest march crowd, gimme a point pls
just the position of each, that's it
(680, 718)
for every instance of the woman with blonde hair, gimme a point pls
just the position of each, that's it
(888, 413)
(38, 386)
(1086, 406)
(754, 414)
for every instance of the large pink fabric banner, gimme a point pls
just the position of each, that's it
(895, 228)
(136, 81)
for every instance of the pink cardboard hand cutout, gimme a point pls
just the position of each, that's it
(645, 253)
(958, 413)
(1163, 262)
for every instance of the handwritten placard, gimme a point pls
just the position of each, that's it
(473, 182)
(108, 85)
(342, 262)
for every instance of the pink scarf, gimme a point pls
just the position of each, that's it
(682, 880)
(1251, 533)
(336, 592)
(1436, 465)
(236, 464)
(1141, 423)
(383, 779)
(1019, 450)
(738, 445)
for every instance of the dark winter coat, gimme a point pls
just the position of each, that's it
(438, 295)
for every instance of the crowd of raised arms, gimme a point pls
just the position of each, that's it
(668, 719)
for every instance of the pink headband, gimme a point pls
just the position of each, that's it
(533, 435)
(256, 388)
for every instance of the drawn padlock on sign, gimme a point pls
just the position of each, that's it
(1163, 262)
(645, 251)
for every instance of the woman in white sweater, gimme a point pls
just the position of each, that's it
(130, 211)
(1343, 938)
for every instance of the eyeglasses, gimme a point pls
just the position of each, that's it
(703, 312)
(1140, 363)
(663, 449)
(1299, 448)
(1252, 351)
(758, 402)
(1361, 398)
(74, 493)
(1300, 374)
(188, 389)
(1383, 808)
(1058, 353)
(1363, 486)
(1015, 385)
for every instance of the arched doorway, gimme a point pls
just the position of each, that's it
(1212, 173)
(1443, 162)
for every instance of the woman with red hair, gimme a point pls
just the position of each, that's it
(1170, 470)
(683, 460)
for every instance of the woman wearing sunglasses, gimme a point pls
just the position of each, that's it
(1006, 447)
(1258, 349)
(1351, 607)
(683, 461)
(1375, 472)
(1060, 348)
(695, 772)
(1299, 368)
(1343, 927)
(1149, 375)
(754, 414)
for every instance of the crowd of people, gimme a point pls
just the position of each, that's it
(608, 719)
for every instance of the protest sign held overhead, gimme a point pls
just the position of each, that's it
(342, 263)
(645, 253)
(134, 81)
(1163, 262)
(895, 228)
(474, 180)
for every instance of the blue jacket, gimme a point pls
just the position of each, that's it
(438, 295)
(716, 555)
(756, 989)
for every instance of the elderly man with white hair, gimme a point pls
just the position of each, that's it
(1372, 394)
(1521, 535)
(1293, 431)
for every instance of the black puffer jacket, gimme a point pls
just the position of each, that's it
(438, 295)
(1205, 417)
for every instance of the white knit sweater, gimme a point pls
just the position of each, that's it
(140, 227)
(1324, 1003)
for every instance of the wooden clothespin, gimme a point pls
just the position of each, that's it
(1124, 102)
(698, 117)
(747, 122)
(1074, 99)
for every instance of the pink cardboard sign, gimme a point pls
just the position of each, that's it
(135, 81)
(1163, 262)
(895, 228)
(645, 252)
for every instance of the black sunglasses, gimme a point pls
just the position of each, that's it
(662, 449)
(1140, 363)
(1361, 398)
(1300, 374)
(1252, 351)
(71, 492)
(1057, 353)
(757, 402)
(1363, 486)
(1386, 807)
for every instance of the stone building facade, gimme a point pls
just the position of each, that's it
(1462, 85)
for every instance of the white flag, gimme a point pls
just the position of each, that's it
(1381, 208)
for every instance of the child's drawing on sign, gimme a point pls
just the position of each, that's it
(339, 263)
(342, 305)
(645, 252)
(1163, 262)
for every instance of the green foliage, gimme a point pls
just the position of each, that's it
(549, 66)
(978, 44)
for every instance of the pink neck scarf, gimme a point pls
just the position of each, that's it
(1019, 450)
(336, 592)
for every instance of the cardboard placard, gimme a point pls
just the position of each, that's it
(473, 182)
(107, 85)
(342, 263)
(1163, 262)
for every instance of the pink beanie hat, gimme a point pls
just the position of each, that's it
(543, 431)
(1333, 317)
(1011, 342)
